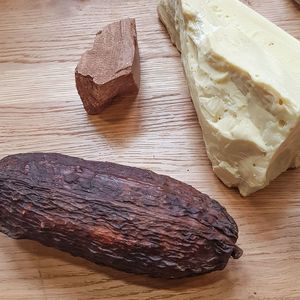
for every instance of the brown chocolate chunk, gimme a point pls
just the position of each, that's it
(111, 68)
(127, 218)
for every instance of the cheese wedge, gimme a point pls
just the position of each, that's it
(243, 74)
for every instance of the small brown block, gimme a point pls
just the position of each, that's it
(111, 68)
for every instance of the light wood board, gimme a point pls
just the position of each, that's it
(40, 45)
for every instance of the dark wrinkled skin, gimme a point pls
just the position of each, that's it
(127, 218)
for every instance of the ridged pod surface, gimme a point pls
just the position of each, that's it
(127, 218)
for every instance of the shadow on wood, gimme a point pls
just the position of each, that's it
(119, 127)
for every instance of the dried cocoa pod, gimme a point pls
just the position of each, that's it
(124, 217)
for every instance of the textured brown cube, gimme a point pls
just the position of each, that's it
(111, 68)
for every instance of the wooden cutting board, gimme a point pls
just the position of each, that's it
(40, 44)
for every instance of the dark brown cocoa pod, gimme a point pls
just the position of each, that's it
(124, 217)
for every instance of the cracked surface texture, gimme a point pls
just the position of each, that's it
(243, 74)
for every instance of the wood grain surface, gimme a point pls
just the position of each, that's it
(40, 45)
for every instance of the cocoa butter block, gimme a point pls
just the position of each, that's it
(111, 68)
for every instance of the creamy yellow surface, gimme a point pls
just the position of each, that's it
(244, 77)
